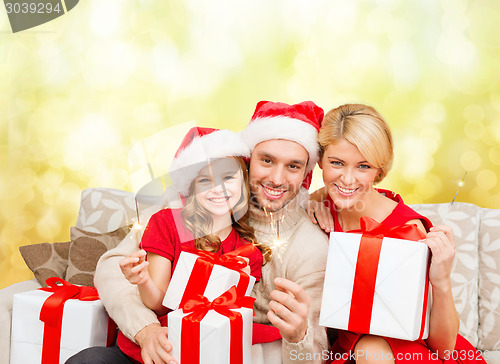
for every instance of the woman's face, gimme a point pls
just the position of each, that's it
(347, 175)
(218, 186)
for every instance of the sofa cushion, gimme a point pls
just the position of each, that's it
(489, 280)
(46, 260)
(86, 249)
(104, 210)
(464, 219)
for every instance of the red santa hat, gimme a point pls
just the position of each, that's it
(199, 146)
(299, 123)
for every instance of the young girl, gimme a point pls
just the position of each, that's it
(357, 152)
(210, 174)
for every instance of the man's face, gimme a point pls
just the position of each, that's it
(277, 169)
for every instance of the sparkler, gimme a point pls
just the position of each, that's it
(460, 185)
(278, 245)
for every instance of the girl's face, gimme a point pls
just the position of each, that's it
(218, 186)
(347, 175)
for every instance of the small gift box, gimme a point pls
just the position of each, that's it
(51, 324)
(377, 283)
(213, 332)
(207, 274)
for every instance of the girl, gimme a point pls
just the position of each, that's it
(210, 174)
(357, 152)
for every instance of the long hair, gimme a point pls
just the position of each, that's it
(199, 221)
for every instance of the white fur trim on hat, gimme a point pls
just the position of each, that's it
(218, 144)
(262, 129)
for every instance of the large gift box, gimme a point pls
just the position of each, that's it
(213, 332)
(377, 282)
(205, 273)
(68, 326)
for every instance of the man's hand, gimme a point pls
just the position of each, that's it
(289, 309)
(155, 347)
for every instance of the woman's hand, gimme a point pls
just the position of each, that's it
(320, 214)
(135, 268)
(441, 241)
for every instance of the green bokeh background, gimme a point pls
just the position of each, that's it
(78, 92)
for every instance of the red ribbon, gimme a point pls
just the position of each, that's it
(198, 280)
(52, 314)
(366, 270)
(198, 307)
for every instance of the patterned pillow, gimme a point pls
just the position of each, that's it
(86, 249)
(489, 280)
(464, 219)
(46, 260)
(104, 209)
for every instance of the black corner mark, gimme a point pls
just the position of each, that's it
(26, 14)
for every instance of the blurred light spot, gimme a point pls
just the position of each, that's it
(388, 5)
(433, 112)
(494, 155)
(93, 138)
(470, 160)
(486, 179)
(456, 50)
(417, 164)
(427, 187)
(341, 17)
(480, 196)
(165, 61)
(49, 225)
(474, 112)
(104, 17)
(405, 67)
(377, 21)
(483, 18)
(474, 129)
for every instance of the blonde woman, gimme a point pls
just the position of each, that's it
(356, 153)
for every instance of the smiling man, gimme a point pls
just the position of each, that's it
(283, 141)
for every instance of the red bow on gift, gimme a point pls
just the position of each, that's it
(203, 266)
(198, 307)
(51, 314)
(366, 270)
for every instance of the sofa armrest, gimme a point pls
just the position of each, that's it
(6, 295)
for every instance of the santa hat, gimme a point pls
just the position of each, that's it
(299, 123)
(199, 146)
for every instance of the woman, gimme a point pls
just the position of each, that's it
(356, 153)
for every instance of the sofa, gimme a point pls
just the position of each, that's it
(106, 215)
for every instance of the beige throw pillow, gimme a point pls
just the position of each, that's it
(46, 260)
(86, 249)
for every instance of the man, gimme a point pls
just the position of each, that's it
(282, 138)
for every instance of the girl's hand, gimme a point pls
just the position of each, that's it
(441, 241)
(247, 268)
(320, 214)
(135, 268)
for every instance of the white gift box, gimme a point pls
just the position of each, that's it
(221, 279)
(215, 341)
(400, 287)
(84, 324)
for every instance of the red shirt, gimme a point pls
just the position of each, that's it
(399, 216)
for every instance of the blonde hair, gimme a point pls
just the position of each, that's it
(199, 221)
(364, 127)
